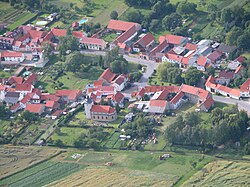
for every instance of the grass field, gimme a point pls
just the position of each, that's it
(68, 135)
(222, 173)
(131, 168)
(5, 10)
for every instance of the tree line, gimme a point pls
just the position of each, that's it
(223, 126)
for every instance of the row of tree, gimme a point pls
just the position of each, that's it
(224, 125)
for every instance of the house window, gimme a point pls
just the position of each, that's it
(102, 117)
(106, 117)
(93, 117)
(97, 117)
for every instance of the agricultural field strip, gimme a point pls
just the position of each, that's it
(30, 172)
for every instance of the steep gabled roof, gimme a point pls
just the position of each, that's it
(201, 93)
(120, 25)
(177, 97)
(201, 61)
(158, 103)
(108, 75)
(31, 79)
(94, 41)
(23, 87)
(145, 40)
(172, 39)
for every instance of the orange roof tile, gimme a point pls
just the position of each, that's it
(177, 97)
(59, 32)
(34, 108)
(158, 103)
(103, 109)
(120, 25)
(107, 75)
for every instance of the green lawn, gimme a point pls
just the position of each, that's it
(68, 135)
(110, 37)
(71, 80)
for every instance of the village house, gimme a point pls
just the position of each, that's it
(226, 49)
(174, 40)
(177, 100)
(202, 63)
(69, 96)
(214, 87)
(12, 56)
(157, 106)
(99, 112)
(12, 97)
(245, 89)
(35, 108)
(92, 43)
(107, 76)
(145, 43)
(126, 31)
(120, 82)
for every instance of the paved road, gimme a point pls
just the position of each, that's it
(242, 104)
(151, 65)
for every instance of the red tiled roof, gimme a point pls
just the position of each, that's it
(118, 97)
(59, 32)
(201, 93)
(190, 46)
(215, 55)
(34, 108)
(174, 57)
(57, 113)
(185, 60)
(52, 104)
(245, 87)
(32, 78)
(15, 80)
(77, 34)
(141, 92)
(177, 97)
(201, 61)
(173, 39)
(37, 34)
(145, 40)
(98, 83)
(208, 103)
(11, 54)
(48, 36)
(14, 107)
(102, 109)
(212, 84)
(158, 103)
(71, 94)
(23, 87)
(94, 41)
(163, 95)
(48, 97)
(120, 79)
(126, 35)
(120, 25)
(25, 99)
(158, 49)
(107, 75)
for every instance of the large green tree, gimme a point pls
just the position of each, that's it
(193, 76)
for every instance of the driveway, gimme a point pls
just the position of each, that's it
(242, 104)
